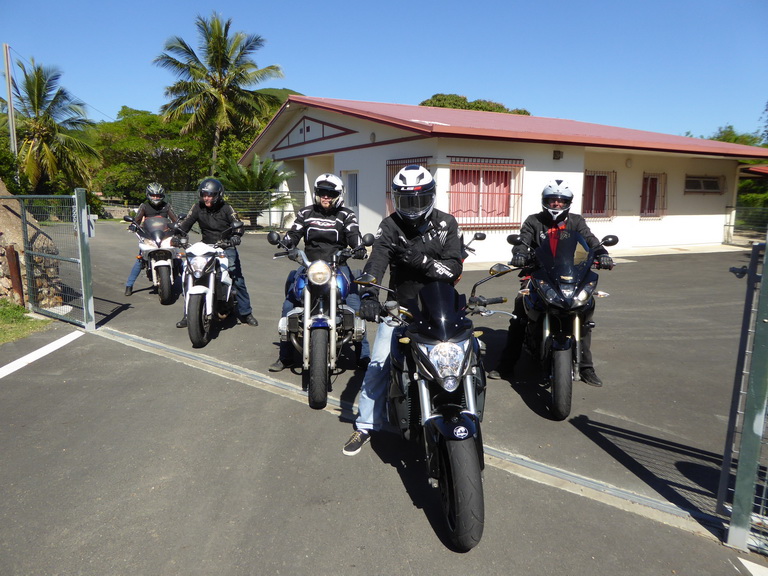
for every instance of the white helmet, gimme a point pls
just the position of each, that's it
(557, 190)
(413, 193)
(330, 185)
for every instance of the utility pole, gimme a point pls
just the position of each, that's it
(11, 115)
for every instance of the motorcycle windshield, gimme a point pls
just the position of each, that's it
(565, 256)
(157, 227)
(439, 313)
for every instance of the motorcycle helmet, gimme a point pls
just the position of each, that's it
(330, 185)
(211, 187)
(413, 193)
(155, 194)
(557, 190)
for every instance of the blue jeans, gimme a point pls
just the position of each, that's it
(353, 301)
(374, 387)
(135, 271)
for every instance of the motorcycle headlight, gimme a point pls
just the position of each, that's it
(447, 359)
(549, 293)
(319, 273)
(585, 294)
(196, 265)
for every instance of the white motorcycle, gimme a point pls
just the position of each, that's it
(160, 257)
(208, 294)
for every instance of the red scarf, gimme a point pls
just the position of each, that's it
(554, 236)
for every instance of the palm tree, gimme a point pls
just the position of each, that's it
(213, 87)
(48, 121)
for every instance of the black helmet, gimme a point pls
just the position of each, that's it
(413, 193)
(211, 187)
(155, 194)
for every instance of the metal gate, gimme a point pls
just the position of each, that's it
(743, 490)
(56, 231)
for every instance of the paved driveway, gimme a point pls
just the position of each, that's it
(158, 458)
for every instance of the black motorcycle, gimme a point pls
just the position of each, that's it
(559, 298)
(437, 396)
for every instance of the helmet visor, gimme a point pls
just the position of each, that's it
(321, 192)
(413, 204)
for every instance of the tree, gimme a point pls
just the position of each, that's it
(211, 92)
(139, 148)
(461, 103)
(263, 177)
(52, 153)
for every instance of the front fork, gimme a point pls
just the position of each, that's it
(549, 343)
(331, 319)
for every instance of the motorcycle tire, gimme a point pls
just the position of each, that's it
(562, 384)
(319, 372)
(164, 289)
(198, 325)
(461, 493)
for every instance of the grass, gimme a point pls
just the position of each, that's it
(15, 323)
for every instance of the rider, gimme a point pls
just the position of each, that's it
(420, 244)
(556, 201)
(326, 227)
(214, 216)
(155, 206)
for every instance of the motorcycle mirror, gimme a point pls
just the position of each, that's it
(182, 215)
(497, 269)
(368, 241)
(273, 238)
(514, 239)
(610, 240)
(366, 279)
(479, 236)
(127, 218)
(236, 225)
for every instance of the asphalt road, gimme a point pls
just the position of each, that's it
(129, 452)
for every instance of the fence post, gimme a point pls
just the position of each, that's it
(86, 278)
(753, 427)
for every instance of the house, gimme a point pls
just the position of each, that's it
(650, 189)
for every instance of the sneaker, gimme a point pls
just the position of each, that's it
(280, 365)
(249, 319)
(588, 376)
(128, 290)
(182, 323)
(500, 373)
(356, 442)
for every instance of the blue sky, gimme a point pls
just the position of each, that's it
(671, 66)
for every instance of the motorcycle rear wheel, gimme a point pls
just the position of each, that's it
(165, 285)
(562, 383)
(198, 325)
(318, 368)
(461, 493)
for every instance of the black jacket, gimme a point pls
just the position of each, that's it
(146, 210)
(535, 227)
(212, 221)
(324, 234)
(438, 237)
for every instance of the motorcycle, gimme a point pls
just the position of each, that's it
(159, 257)
(320, 327)
(208, 294)
(558, 299)
(436, 396)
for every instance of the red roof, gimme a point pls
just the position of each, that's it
(761, 170)
(448, 122)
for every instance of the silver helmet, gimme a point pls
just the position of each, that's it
(155, 194)
(557, 190)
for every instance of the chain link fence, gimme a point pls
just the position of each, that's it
(746, 224)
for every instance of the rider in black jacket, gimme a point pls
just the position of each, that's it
(154, 207)
(420, 245)
(326, 227)
(214, 216)
(556, 201)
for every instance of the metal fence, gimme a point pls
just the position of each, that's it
(743, 490)
(57, 263)
(257, 209)
(745, 224)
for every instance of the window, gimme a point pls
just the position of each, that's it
(351, 189)
(393, 167)
(653, 199)
(599, 198)
(704, 185)
(486, 192)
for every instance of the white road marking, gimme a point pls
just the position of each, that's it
(754, 569)
(37, 354)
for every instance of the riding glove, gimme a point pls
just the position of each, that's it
(606, 262)
(519, 260)
(235, 240)
(370, 309)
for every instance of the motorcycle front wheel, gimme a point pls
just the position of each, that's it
(562, 383)
(461, 493)
(198, 324)
(164, 284)
(318, 368)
